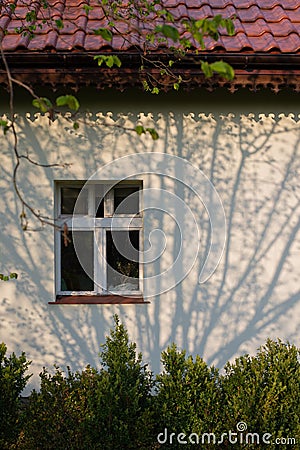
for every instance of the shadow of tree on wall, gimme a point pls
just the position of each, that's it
(253, 161)
(257, 282)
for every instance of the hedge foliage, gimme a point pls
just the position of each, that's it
(253, 403)
(12, 382)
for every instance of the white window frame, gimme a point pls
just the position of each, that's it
(88, 222)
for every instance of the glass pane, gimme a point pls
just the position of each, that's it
(122, 254)
(69, 196)
(100, 207)
(126, 200)
(73, 275)
(100, 191)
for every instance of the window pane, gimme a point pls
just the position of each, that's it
(73, 276)
(126, 200)
(100, 207)
(69, 196)
(122, 249)
(99, 200)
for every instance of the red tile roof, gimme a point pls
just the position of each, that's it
(261, 26)
(264, 52)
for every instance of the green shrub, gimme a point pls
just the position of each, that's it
(264, 392)
(187, 400)
(12, 382)
(56, 416)
(105, 409)
(122, 405)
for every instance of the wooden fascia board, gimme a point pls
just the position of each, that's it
(79, 69)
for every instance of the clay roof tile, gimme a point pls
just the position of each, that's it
(261, 25)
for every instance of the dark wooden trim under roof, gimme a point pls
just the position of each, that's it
(78, 69)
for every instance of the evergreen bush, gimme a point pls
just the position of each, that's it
(94, 409)
(263, 392)
(12, 382)
(187, 399)
(189, 405)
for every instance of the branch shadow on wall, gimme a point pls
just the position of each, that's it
(254, 164)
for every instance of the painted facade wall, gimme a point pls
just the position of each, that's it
(246, 145)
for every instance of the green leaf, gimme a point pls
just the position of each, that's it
(199, 38)
(87, 8)
(3, 123)
(155, 90)
(230, 27)
(117, 61)
(162, 12)
(199, 23)
(59, 23)
(30, 16)
(168, 31)
(75, 125)
(7, 277)
(223, 69)
(100, 59)
(176, 86)
(170, 17)
(104, 33)
(140, 130)
(42, 103)
(12, 7)
(153, 133)
(206, 69)
(150, 37)
(146, 85)
(5, 128)
(110, 60)
(68, 100)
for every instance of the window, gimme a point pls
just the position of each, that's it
(99, 242)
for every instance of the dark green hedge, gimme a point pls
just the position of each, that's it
(253, 403)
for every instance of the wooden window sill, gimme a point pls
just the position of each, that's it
(97, 300)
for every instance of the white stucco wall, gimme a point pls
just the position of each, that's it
(248, 146)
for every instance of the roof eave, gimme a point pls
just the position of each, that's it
(77, 69)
